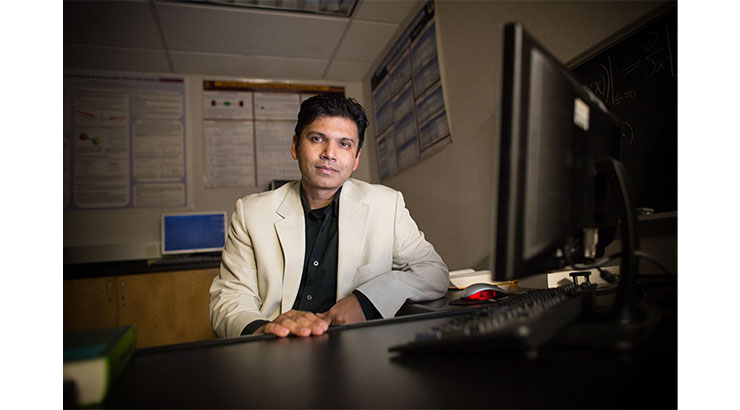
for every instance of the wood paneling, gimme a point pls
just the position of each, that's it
(165, 308)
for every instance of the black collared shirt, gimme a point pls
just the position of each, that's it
(318, 290)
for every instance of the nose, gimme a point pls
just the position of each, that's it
(328, 152)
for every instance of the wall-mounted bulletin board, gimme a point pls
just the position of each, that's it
(408, 102)
(124, 142)
(247, 131)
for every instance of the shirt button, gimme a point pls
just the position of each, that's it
(309, 297)
(315, 263)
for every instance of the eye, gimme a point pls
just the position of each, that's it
(346, 144)
(316, 138)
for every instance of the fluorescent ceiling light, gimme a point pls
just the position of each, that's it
(337, 8)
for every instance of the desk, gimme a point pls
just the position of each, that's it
(350, 367)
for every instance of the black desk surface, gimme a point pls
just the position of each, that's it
(351, 367)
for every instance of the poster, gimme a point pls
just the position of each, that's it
(408, 100)
(387, 161)
(248, 131)
(229, 149)
(227, 105)
(274, 161)
(124, 142)
(101, 149)
(276, 106)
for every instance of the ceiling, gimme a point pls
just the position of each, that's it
(194, 38)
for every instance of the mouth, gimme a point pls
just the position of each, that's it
(325, 169)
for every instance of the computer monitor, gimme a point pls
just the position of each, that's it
(195, 232)
(562, 193)
(553, 208)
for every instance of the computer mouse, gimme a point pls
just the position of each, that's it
(482, 291)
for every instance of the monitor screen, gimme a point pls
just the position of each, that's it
(193, 232)
(551, 202)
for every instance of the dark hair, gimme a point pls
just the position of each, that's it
(332, 105)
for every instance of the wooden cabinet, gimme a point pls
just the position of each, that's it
(90, 303)
(165, 308)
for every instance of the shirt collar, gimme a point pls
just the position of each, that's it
(333, 205)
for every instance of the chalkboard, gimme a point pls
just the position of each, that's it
(635, 74)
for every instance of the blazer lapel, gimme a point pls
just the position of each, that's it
(353, 213)
(291, 231)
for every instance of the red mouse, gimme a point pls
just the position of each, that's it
(482, 291)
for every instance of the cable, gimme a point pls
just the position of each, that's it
(606, 275)
(598, 263)
(655, 261)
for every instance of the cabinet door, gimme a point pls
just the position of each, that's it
(167, 308)
(90, 303)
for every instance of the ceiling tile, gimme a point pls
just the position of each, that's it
(346, 71)
(216, 40)
(365, 40)
(247, 32)
(390, 11)
(115, 59)
(110, 23)
(248, 66)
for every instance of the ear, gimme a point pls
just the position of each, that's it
(294, 147)
(357, 160)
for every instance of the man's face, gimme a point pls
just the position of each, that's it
(327, 153)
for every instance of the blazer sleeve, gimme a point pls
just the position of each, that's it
(418, 272)
(234, 296)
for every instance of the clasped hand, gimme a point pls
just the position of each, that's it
(300, 323)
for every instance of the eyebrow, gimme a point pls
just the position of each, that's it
(316, 132)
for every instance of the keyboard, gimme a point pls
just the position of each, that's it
(521, 321)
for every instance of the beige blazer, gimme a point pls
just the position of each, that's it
(381, 253)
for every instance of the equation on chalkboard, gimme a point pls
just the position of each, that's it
(636, 77)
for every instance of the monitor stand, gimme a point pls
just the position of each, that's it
(626, 323)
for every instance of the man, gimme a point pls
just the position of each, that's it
(326, 249)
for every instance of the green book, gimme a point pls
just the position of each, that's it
(94, 358)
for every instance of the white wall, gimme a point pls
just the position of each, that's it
(450, 194)
(109, 235)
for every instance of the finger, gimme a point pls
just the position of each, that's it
(276, 329)
(316, 325)
(323, 319)
(326, 318)
(315, 322)
(296, 327)
(302, 323)
(299, 327)
(320, 327)
(333, 316)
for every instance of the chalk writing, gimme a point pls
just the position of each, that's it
(657, 59)
(630, 68)
(635, 76)
(602, 86)
(627, 132)
(657, 62)
(619, 98)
